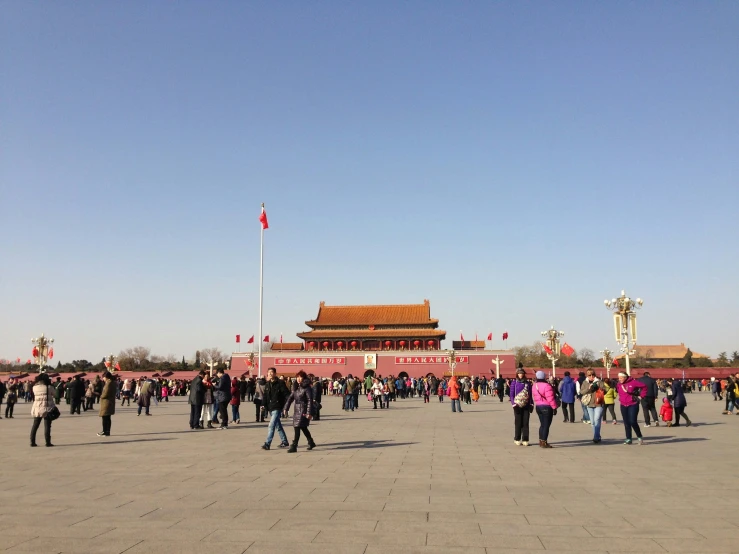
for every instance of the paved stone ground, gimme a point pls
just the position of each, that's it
(412, 479)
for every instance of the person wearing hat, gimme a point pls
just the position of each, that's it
(520, 396)
(546, 406)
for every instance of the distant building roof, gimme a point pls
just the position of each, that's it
(664, 352)
(462, 345)
(386, 314)
(286, 346)
(375, 334)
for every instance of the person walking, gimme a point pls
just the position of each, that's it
(235, 402)
(302, 396)
(43, 404)
(222, 394)
(206, 415)
(275, 398)
(454, 394)
(648, 403)
(349, 386)
(567, 391)
(594, 398)
(4, 389)
(76, 392)
(679, 402)
(609, 399)
(317, 395)
(578, 384)
(145, 393)
(196, 399)
(126, 392)
(630, 392)
(259, 399)
(523, 405)
(731, 395)
(107, 403)
(546, 406)
(11, 400)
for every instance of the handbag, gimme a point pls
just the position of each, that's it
(53, 414)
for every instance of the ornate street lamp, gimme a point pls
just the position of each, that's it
(552, 347)
(452, 359)
(624, 323)
(42, 351)
(110, 362)
(607, 361)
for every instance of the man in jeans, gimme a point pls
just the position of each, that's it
(454, 394)
(275, 396)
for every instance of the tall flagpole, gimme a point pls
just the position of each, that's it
(261, 292)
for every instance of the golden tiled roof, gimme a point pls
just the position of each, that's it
(468, 344)
(287, 346)
(376, 334)
(387, 314)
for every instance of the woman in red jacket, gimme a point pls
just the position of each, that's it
(453, 390)
(235, 402)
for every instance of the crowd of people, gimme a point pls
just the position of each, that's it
(210, 399)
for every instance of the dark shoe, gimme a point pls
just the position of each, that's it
(311, 446)
(210, 425)
(284, 444)
(265, 446)
(199, 427)
(292, 450)
(49, 444)
(547, 445)
(34, 444)
(541, 443)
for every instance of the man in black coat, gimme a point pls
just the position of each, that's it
(648, 402)
(76, 393)
(223, 396)
(196, 399)
(275, 397)
(317, 393)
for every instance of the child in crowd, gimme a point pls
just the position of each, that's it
(665, 412)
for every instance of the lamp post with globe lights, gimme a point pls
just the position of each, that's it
(624, 323)
(452, 360)
(552, 346)
(42, 351)
(607, 361)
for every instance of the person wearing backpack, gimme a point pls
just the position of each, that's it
(523, 405)
(567, 391)
(732, 393)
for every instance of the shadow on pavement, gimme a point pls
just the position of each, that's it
(349, 445)
(103, 441)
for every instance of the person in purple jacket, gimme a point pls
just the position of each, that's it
(630, 393)
(522, 406)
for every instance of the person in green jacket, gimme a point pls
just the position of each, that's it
(610, 399)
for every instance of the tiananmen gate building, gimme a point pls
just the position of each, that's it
(397, 339)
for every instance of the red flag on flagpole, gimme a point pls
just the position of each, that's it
(238, 338)
(505, 335)
(490, 336)
(118, 366)
(107, 363)
(266, 338)
(263, 218)
(51, 353)
(280, 338)
(34, 352)
(251, 340)
(461, 336)
(616, 363)
(567, 350)
(475, 337)
(546, 348)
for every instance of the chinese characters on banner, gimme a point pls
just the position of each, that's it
(309, 361)
(429, 360)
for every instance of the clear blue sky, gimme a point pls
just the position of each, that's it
(515, 163)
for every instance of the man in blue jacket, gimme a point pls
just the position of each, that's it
(567, 392)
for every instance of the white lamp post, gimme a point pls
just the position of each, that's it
(452, 359)
(41, 351)
(553, 347)
(607, 361)
(624, 323)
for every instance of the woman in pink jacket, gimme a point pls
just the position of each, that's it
(546, 406)
(630, 392)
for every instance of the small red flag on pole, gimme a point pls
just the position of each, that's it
(505, 335)
(280, 338)
(546, 348)
(567, 350)
(51, 353)
(251, 340)
(263, 219)
(461, 336)
(118, 366)
(490, 336)
(238, 338)
(266, 338)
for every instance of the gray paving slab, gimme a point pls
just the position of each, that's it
(416, 479)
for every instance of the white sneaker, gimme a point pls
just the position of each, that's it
(525, 443)
(517, 443)
(647, 425)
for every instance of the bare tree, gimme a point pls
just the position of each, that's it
(587, 356)
(212, 355)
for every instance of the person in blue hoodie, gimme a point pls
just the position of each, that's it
(567, 392)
